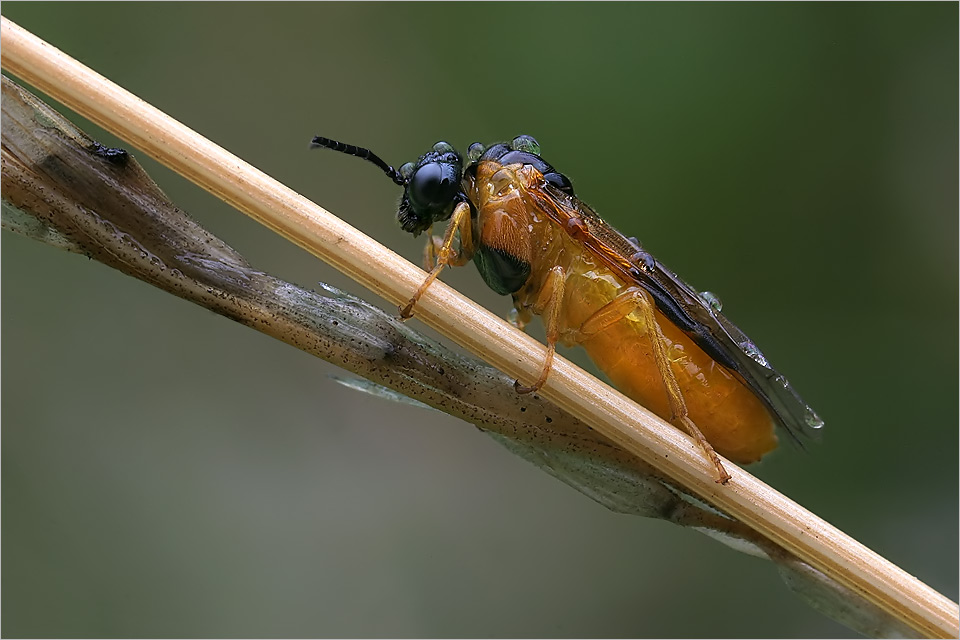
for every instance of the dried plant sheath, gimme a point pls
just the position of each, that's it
(64, 189)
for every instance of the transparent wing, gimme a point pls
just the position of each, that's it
(697, 314)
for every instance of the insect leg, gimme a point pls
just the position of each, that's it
(637, 299)
(459, 221)
(548, 304)
(520, 316)
(430, 250)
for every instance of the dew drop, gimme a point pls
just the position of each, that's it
(751, 350)
(526, 143)
(812, 419)
(712, 300)
(475, 151)
(644, 260)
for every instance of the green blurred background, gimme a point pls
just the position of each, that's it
(167, 472)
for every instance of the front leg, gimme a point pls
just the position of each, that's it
(430, 251)
(459, 221)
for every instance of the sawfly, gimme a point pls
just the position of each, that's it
(660, 341)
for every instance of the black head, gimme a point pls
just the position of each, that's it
(431, 185)
(432, 188)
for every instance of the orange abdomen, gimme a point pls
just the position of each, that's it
(728, 414)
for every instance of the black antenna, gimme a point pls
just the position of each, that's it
(360, 152)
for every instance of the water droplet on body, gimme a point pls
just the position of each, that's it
(712, 300)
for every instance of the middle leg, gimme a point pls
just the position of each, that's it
(548, 303)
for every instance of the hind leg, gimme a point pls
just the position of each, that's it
(637, 299)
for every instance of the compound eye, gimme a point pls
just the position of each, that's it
(434, 185)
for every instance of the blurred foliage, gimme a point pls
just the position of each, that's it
(798, 159)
